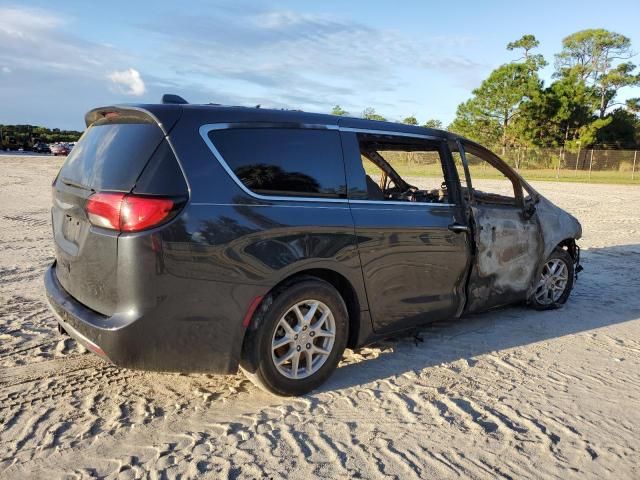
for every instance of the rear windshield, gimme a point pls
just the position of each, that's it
(111, 156)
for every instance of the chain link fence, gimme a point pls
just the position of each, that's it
(623, 165)
(603, 165)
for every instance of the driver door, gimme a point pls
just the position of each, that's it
(506, 235)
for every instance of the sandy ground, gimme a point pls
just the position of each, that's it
(508, 394)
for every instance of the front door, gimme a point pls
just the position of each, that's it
(508, 244)
(411, 233)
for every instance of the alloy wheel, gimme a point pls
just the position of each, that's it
(553, 282)
(303, 339)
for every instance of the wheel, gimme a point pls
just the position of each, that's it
(555, 283)
(299, 341)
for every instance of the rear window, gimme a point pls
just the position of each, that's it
(271, 161)
(111, 156)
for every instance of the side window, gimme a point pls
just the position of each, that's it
(279, 161)
(490, 184)
(403, 169)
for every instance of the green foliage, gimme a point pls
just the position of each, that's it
(556, 114)
(338, 110)
(527, 43)
(25, 136)
(488, 114)
(591, 55)
(587, 133)
(511, 108)
(411, 120)
(370, 114)
(433, 123)
(471, 123)
(633, 105)
(622, 131)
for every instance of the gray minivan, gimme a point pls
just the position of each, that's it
(204, 238)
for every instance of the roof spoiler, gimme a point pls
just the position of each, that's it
(164, 116)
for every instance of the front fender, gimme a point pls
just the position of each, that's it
(556, 225)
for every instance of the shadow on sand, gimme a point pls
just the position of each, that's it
(607, 293)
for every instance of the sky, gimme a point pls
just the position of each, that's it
(60, 59)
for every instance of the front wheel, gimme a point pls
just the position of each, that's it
(299, 340)
(555, 282)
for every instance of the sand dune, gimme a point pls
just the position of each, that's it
(507, 394)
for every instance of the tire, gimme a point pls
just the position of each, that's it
(270, 341)
(553, 289)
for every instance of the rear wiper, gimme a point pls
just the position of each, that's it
(71, 183)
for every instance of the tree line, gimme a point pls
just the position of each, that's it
(370, 114)
(26, 136)
(580, 108)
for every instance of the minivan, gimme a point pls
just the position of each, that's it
(207, 238)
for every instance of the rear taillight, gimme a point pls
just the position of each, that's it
(127, 213)
(103, 209)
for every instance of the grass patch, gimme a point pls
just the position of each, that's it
(549, 174)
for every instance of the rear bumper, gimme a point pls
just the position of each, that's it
(72, 332)
(150, 341)
(71, 315)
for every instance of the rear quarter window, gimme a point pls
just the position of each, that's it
(296, 162)
(111, 156)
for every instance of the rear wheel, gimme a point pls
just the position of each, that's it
(300, 340)
(555, 282)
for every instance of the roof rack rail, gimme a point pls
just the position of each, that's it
(173, 99)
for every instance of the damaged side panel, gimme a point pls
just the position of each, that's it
(556, 226)
(509, 249)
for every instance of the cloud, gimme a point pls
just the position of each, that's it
(456, 64)
(36, 39)
(128, 82)
(51, 65)
(238, 53)
(15, 18)
(291, 56)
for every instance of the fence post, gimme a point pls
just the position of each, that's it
(633, 170)
(559, 161)
(575, 174)
(590, 164)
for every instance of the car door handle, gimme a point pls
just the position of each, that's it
(458, 228)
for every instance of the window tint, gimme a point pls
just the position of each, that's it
(111, 157)
(402, 169)
(271, 161)
(162, 175)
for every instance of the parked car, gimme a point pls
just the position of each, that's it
(201, 238)
(41, 147)
(59, 149)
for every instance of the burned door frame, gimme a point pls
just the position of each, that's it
(507, 238)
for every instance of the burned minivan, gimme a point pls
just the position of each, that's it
(205, 238)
